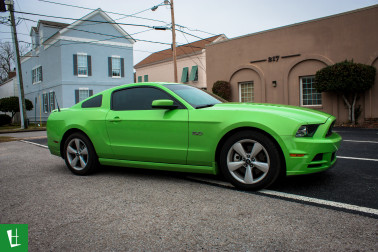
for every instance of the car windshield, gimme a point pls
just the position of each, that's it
(194, 96)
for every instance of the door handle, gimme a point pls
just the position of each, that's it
(115, 119)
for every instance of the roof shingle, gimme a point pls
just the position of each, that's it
(182, 50)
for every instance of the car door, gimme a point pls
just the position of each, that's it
(139, 132)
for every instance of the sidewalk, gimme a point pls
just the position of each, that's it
(15, 130)
(24, 134)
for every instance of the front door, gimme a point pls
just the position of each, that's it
(138, 132)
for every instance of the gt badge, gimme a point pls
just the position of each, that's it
(199, 133)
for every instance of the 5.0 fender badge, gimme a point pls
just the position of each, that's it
(199, 133)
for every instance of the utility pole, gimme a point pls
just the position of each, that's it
(170, 3)
(18, 64)
(174, 42)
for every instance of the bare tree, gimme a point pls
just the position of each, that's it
(7, 61)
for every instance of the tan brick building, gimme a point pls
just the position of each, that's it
(278, 65)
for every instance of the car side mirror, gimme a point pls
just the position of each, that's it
(163, 104)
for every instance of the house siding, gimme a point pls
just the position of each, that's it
(56, 59)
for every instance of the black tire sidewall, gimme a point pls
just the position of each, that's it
(274, 159)
(92, 160)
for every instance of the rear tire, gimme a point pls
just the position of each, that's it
(250, 160)
(80, 155)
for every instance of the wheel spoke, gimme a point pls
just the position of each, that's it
(82, 162)
(238, 147)
(84, 151)
(248, 177)
(264, 167)
(232, 166)
(71, 150)
(77, 143)
(74, 161)
(257, 147)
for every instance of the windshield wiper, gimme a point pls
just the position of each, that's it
(205, 106)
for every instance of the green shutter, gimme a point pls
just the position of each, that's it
(145, 78)
(139, 78)
(194, 74)
(184, 77)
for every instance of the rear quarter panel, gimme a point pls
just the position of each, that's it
(91, 121)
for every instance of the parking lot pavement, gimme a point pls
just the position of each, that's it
(120, 209)
(350, 181)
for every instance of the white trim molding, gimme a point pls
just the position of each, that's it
(68, 38)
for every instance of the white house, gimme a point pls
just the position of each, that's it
(70, 62)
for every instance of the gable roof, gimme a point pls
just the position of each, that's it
(106, 17)
(181, 51)
(51, 23)
(63, 27)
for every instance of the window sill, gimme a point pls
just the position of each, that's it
(312, 106)
(116, 77)
(35, 83)
(82, 76)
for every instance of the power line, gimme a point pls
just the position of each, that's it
(26, 25)
(130, 15)
(17, 33)
(185, 27)
(76, 19)
(194, 36)
(124, 15)
(199, 60)
(86, 42)
(113, 36)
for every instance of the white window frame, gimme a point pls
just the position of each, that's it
(45, 102)
(51, 102)
(83, 89)
(120, 68)
(86, 64)
(240, 91)
(37, 75)
(301, 92)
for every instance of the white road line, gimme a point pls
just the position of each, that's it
(298, 197)
(40, 145)
(356, 158)
(322, 202)
(356, 141)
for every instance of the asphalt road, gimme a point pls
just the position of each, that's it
(351, 181)
(120, 209)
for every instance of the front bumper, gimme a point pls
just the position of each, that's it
(319, 152)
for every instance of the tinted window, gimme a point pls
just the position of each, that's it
(139, 98)
(194, 96)
(94, 102)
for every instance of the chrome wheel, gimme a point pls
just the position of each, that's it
(77, 154)
(248, 161)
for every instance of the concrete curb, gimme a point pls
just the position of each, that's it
(20, 131)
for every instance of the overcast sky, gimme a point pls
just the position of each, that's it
(232, 18)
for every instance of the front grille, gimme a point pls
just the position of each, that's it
(329, 132)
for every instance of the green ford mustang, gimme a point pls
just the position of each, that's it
(178, 127)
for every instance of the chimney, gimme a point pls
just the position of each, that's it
(11, 74)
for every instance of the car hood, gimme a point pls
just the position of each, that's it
(305, 115)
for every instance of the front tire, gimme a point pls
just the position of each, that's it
(79, 154)
(250, 160)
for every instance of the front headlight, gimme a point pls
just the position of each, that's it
(307, 130)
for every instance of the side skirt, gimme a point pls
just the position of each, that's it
(160, 166)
